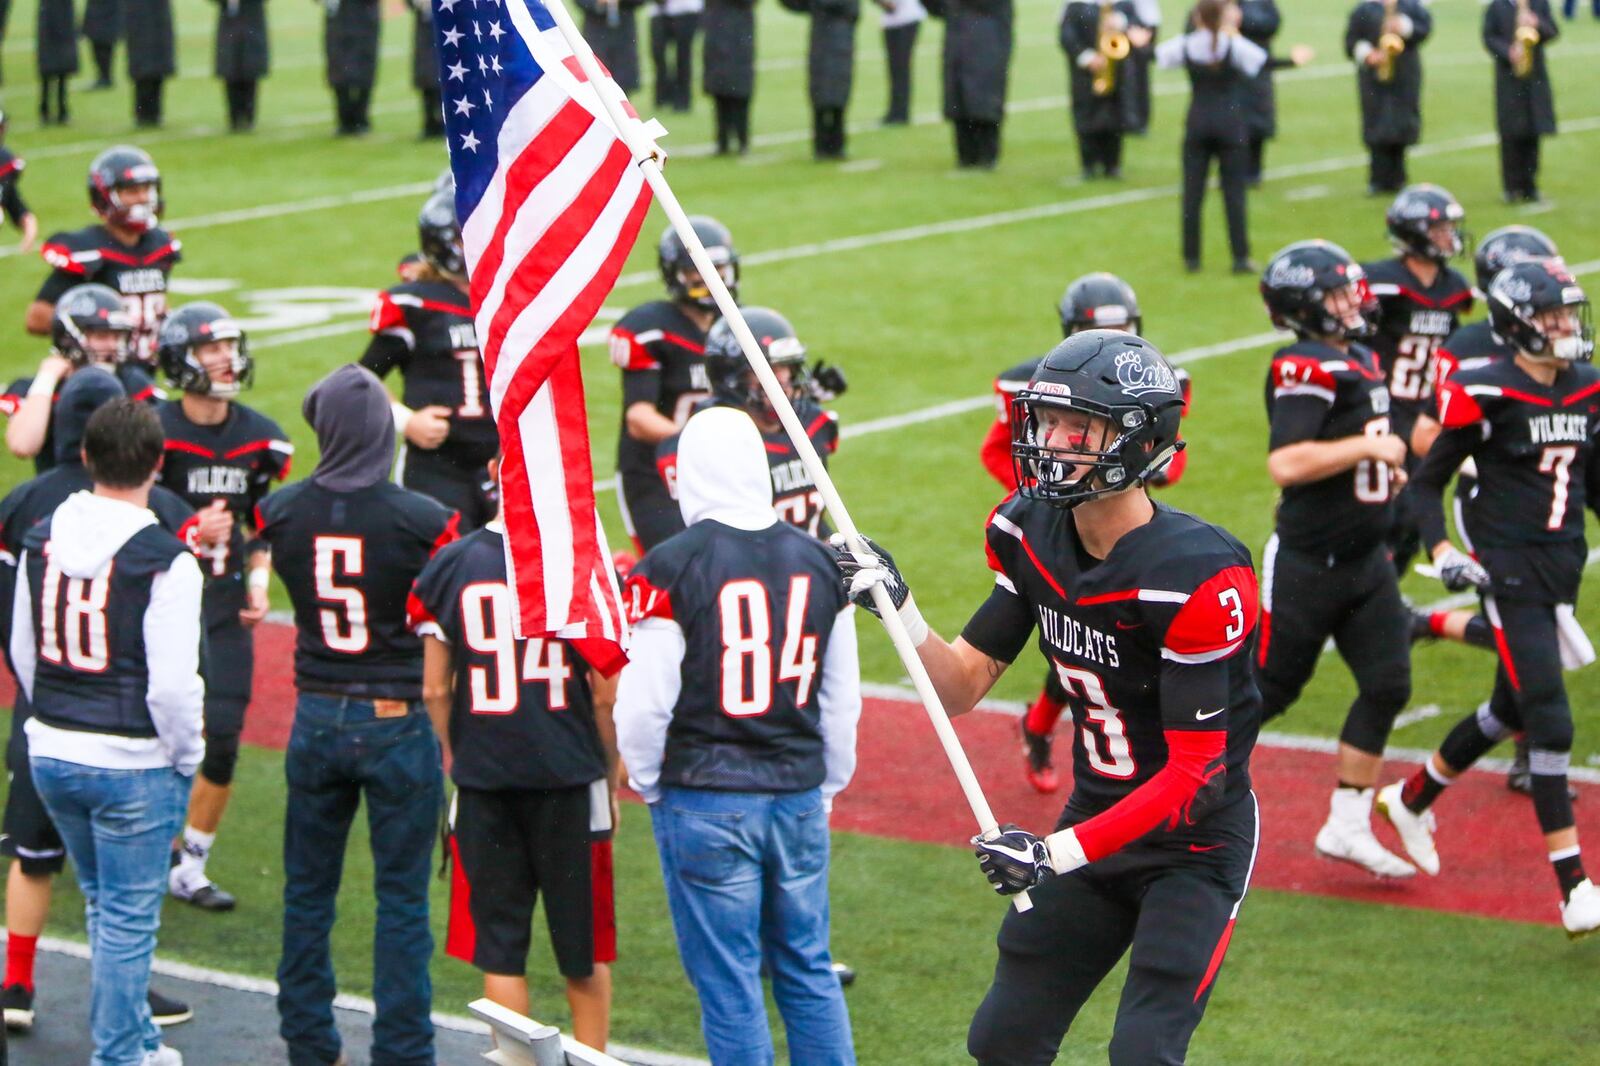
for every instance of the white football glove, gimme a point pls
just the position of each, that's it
(1460, 571)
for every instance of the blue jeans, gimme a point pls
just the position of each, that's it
(118, 826)
(339, 752)
(747, 880)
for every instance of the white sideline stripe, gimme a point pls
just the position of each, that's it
(238, 982)
(1269, 739)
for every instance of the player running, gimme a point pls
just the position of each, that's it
(1326, 571)
(423, 327)
(1148, 615)
(221, 458)
(660, 347)
(1529, 423)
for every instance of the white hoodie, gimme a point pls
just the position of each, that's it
(723, 476)
(86, 532)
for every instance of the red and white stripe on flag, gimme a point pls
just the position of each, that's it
(548, 231)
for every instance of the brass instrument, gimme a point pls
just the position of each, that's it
(1390, 44)
(1528, 37)
(1113, 46)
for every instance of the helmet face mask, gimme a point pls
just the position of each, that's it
(90, 326)
(1538, 308)
(1425, 221)
(200, 342)
(1310, 287)
(733, 382)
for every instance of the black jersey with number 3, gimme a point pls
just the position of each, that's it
(138, 274)
(522, 716)
(425, 329)
(1413, 321)
(348, 560)
(1316, 392)
(235, 461)
(1154, 638)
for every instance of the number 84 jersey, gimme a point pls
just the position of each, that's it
(1153, 641)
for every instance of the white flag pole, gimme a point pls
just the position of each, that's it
(647, 155)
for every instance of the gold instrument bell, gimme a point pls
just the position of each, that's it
(1114, 46)
(1390, 44)
(1528, 37)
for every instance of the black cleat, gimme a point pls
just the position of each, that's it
(165, 1011)
(845, 974)
(208, 897)
(17, 1002)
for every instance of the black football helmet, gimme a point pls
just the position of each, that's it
(732, 381)
(1296, 283)
(90, 307)
(1099, 301)
(439, 234)
(676, 266)
(124, 167)
(1414, 211)
(1507, 245)
(1520, 292)
(1108, 374)
(190, 326)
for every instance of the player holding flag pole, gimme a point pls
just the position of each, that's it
(532, 19)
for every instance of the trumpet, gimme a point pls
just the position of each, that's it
(1113, 46)
(1390, 44)
(1528, 37)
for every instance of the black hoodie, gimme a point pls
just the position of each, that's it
(350, 411)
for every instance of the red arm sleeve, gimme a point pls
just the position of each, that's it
(1194, 757)
(996, 454)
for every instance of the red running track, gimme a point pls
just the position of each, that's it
(1489, 844)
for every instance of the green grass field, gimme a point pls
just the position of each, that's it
(923, 283)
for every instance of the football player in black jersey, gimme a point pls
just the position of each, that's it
(1094, 301)
(221, 457)
(1326, 571)
(733, 384)
(348, 544)
(11, 201)
(1149, 616)
(1529, 423)
(1421, 299)
(660, 347)
(127, 251)
(424, 328)
(29, 836)
(88, 326)
(528, 723)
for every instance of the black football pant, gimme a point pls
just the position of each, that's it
(733, 124)
(1101, 153)
(241, 97)
(466, 490)
(1173, 902)
(432, 113)
(1386, 169)
(1519, 167)
(1233, 160)
(977, 143)
(827, 132)
(147, 101)
(1305, 599)
(899, 42)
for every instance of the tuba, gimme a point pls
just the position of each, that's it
(1390, 44)
(1528, 37)
(1112, 43)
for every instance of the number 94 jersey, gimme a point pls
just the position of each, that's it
(1154, 639)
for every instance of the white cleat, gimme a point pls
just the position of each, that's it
(1580, 914)
(1356, 844)
(1416, 830)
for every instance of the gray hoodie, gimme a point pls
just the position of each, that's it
(349, 409)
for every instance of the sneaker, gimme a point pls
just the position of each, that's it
(17, 1001)
(845, 974)
(1354, 843)
(1580, 914)
(1416, 830)
(162, 1056)
(165, 1011)
(1036, 754)
(207, 896)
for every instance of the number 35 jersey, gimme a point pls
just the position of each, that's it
(348, 560)
(137, 274)
(1317, 393)
(1154, 639)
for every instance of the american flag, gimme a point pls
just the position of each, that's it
(550, 203)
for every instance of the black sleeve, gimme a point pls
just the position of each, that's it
(1190, 692)
(1421, 23)
(11, 201)
(1296, 419)
(1001, 626)
(1496, 34)
(1354, 32)
(640, 386)
(57, 283)
(385, 352)
(1434, 473)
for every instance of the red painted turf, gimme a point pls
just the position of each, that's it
(1489, 844)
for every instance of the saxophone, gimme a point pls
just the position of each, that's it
(1112, 44)
(1390, 44)
(1528, 37)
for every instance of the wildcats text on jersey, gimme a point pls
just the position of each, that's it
(1072, 637)
(1545, 429)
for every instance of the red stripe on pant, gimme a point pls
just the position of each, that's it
(461, 936)
(604, 901)
(1505, 657)
(1216, 961)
